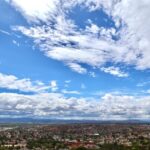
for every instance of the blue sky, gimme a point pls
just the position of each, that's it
(74, 59)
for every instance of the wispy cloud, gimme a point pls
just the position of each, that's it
(60, 35)
(53, 85)
(16, 43)
(142, 84)
(77, 68)
(4, 32)
(92, 74)
(67, 81)
(70, 92)
(115, 71)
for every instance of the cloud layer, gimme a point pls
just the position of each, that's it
(56, 105)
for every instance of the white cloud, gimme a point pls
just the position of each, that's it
(67, 81)
(35, 10)
(70, 92)
(55, 105)
(80, 47)
(114, 71)
(16, 43)
(53, 86)
(4, 32)
(63, 40)
(77, 68)
(14, 83)
(135, 31)
(92, 74)
(142, 84)
(147, 91)
(44, 105)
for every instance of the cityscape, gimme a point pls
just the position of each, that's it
(74, 74)
(96, 136)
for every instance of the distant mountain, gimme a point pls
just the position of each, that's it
(61, 121)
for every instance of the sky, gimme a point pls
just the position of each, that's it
(75, 59)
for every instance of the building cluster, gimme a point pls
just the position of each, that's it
(74, 136)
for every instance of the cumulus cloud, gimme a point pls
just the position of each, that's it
(44, 105)
(26, 85)
(56, 105)
(135, 31)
